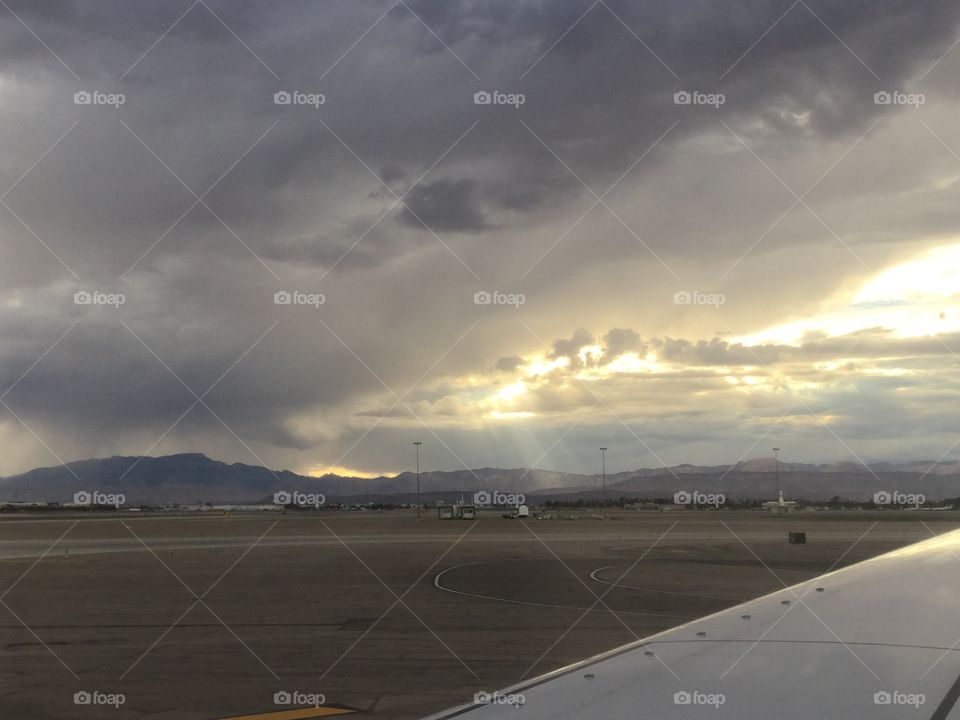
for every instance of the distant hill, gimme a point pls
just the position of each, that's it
(193, 477)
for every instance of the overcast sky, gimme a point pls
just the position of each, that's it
(774, 263)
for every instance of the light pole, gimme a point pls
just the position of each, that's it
(603, 461)
(776, 469)
(417, 443)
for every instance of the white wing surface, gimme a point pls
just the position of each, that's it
(879, 639)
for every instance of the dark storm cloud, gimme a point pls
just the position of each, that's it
(445, 205)
(599, 98)
(309, 189)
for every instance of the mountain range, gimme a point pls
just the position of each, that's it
(195, 478)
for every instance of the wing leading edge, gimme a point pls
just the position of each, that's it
(879, 639)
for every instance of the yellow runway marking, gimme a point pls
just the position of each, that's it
(298, 714)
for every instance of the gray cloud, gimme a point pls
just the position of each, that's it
(445, 205)
(305, 208)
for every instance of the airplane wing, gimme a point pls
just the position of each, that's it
(879, 639)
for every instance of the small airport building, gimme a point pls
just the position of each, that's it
(456, 512)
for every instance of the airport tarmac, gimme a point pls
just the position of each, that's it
(204, 617)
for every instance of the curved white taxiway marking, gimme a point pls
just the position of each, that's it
(437, 583)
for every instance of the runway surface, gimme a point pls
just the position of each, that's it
(210, 616)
